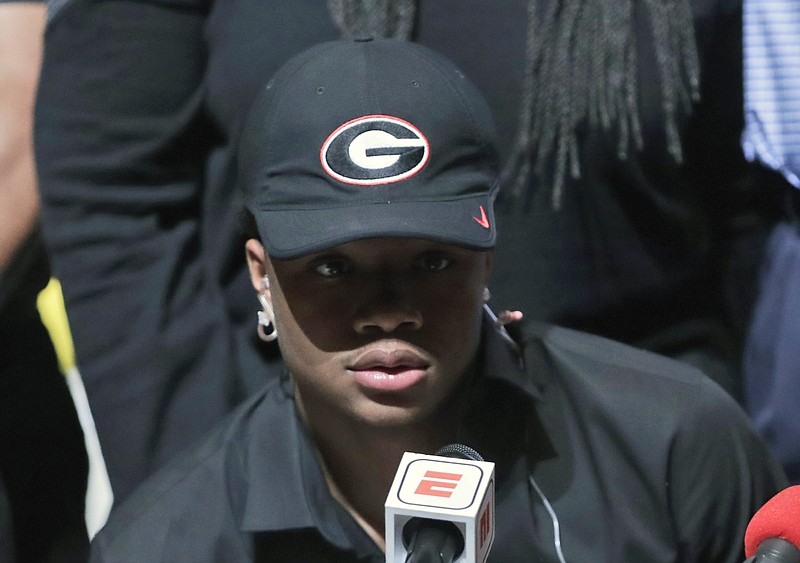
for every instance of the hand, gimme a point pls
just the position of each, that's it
(507, 317)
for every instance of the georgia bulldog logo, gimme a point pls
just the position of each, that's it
(374, 149)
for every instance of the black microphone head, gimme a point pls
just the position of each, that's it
(432, 540)
(459, 451)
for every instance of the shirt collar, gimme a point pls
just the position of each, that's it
(286, 488)
(504, 359)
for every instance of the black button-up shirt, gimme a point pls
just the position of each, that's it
(626, 456)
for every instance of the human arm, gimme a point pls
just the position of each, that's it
(21, 29)
(121, 143)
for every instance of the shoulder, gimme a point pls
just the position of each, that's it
(196, 499)
(633, 416)
(650, 398)
(581, 355)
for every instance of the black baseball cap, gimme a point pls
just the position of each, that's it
(369, 138)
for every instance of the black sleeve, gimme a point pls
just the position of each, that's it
(720, 474)
(121, 141)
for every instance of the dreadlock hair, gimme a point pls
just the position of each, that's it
(581, 67)
(374, 18)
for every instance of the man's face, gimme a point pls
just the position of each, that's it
(380, 330)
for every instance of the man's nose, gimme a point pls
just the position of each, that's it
(389, 310)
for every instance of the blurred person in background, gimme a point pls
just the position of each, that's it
(772, 140)
(43, 463)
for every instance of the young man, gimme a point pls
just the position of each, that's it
(369, 173)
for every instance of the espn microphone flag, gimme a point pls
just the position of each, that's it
(442, 488)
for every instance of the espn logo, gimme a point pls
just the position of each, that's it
(484, 525)
(440, 484)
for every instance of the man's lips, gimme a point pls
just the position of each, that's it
(390, 358)
(389, 369)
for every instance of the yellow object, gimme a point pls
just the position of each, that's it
(54, 317)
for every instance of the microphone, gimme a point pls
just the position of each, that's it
(773, 534)
(440, 508)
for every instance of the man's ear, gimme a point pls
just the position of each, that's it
(256, 263)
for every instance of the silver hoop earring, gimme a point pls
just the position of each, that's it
(486, 294)
(266, 317)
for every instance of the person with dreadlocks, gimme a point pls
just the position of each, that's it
(618, 128)
(630, 211)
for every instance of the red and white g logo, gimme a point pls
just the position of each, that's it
(374, 149)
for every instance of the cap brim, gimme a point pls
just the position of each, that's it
(292, 233)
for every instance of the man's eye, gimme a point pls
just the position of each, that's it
(432, 263)
(332, 268)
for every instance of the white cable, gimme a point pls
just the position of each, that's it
(553, 517)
